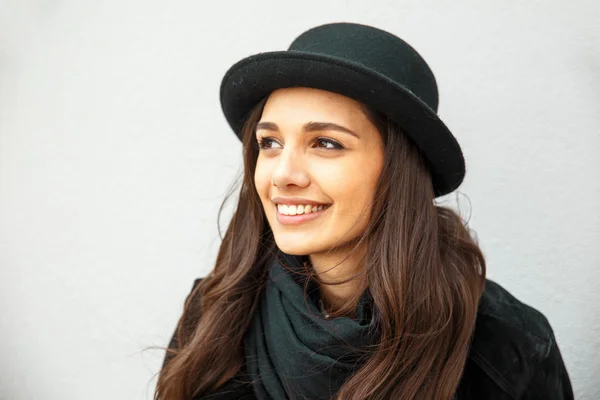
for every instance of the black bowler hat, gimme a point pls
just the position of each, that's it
(362, 62)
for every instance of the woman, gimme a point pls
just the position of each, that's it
(338, 276)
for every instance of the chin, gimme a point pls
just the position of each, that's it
(296, 246)
(295, 249)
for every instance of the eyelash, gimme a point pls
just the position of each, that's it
(261, 143)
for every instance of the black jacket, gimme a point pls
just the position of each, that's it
(513, 355)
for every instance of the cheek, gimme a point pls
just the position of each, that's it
(262, 180)
(352, 188)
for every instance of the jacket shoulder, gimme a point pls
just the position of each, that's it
(511, 339)
(505, 309)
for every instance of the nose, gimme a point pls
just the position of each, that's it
(290, 170)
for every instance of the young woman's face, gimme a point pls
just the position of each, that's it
(317, 148)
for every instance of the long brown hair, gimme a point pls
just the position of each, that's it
(424, 271)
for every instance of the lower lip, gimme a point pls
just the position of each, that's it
(298, 219)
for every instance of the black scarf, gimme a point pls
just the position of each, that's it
(291, 350)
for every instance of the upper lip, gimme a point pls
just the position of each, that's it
(295, 201)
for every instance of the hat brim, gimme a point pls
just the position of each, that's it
(254, 77)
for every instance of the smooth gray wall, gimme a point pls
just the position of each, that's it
(114, 158)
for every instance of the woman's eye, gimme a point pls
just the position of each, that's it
(265, 143)
(329, 144)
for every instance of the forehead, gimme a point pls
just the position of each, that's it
(300, 104)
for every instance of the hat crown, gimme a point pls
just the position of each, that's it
(375, 49)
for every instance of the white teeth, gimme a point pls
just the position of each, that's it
(298, 210)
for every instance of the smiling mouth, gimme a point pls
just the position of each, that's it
(306, 215)
(292, 210)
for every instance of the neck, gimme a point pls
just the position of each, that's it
(335, 266)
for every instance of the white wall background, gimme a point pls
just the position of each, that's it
(114, 158)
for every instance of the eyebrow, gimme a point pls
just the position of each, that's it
(310, 127)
